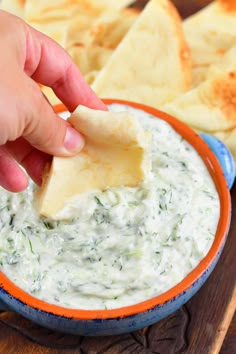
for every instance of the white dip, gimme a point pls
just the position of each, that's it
(126, 245)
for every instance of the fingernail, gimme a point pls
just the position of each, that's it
(73, 140)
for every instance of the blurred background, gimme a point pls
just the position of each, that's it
(185, 7)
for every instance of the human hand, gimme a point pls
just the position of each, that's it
(30, 131)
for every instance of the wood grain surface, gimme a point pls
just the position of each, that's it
(229, 345)
(199, 327)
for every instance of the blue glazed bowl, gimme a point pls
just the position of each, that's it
(131, 318)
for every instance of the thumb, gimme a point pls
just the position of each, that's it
(45, 130)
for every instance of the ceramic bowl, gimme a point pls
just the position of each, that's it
(131, 318)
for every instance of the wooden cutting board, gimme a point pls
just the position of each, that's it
(199, 327)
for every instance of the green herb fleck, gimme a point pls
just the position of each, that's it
(48, 225)
(11, 219)
(183, 164)
(98, 201)
(29, 241)
(102, 217)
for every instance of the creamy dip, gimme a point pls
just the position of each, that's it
(123, 245)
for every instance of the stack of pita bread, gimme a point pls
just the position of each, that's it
(210, 105)
(152, 64)
(89, 30)
(185, 68)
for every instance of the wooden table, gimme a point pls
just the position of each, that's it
(199, 327)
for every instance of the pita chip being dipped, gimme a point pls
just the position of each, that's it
(115, 154)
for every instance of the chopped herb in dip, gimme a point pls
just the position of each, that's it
(121, 246)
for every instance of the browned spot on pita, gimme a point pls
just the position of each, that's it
(184, 50)
(221, 51)
(224, 90)
(79, 45)
(228, 5)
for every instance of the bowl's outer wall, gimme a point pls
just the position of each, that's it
(223, 155)
(107, 326)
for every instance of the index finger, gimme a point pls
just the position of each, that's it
(49, 64)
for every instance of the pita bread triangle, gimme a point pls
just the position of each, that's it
(211, 106)
(152, 63)
(115, 154)
(210, 33)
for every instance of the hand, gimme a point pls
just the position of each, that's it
(30, 131)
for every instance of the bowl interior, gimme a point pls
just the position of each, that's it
(216, 173)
